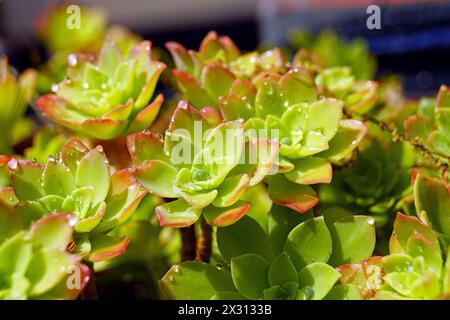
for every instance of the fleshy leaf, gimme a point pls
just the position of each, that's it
(297, 197)
(309, 242)
(177, 213)
(282, 270)
(244, 236)
(320, 277)
(93, 172)
(157, 177)
(249, 273)
(353, 239)
(195, 280)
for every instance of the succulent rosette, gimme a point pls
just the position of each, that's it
(312, 133)
(414, 269)
(79, 182)
(205, 171)
(291, 259)
(334, 52)
(108, 97)
(431, 125)
(59, 30)
(35, 261)
(377, 183)
(15, 95)
(339, 82)
(205, 75)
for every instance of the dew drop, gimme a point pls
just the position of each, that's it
(12, 164)
(72, 60)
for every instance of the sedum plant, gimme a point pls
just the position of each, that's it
(431, 124)
(199, 172)
(414, 269)
(106, 98)
(334, 52)
(80, 181)
(312, 133)
(377, 183)
(35, 262)
(15, 95)
(58, 29)
(204, 76)
(293, 260)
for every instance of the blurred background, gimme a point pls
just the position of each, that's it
(414, 39)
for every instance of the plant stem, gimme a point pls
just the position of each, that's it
(189, 240)
(90, 291)
(204, 245)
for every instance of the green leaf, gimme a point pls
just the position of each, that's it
(405, 227)
(177, 213)
(109, 58)
(53, 232)
(72, 153)
(309, 242)
(57, 179)
(325, 116)
(443, 120)
(249, 273)
(310, 171)
(46, 270)
(270, 100)
(353, 239)
(145, 146)
(223, 217)
(15, 254)
(433, 197)
(157, 177)
(93, 172)
(281, 221)
(282, 270)
(347, 138)
(343, 292)
(294, 196)
(11, 223)
(320, 277)
(418, 246)
(244, 236)
(217, 80)
(26, 179)
(231, 190)
(195, 280)
(298, 85)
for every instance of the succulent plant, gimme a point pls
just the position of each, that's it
(333, 51)
(339, 82)
(312, 133)
(432, 200)
(198, 169)
(377, 183)
(15, 95)
(293, 260)
(431, 124)
(60, 32)
(218, 66)
(35, 262)
(47, 142)
(109, 97)
(414, 269)
(79, 182)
